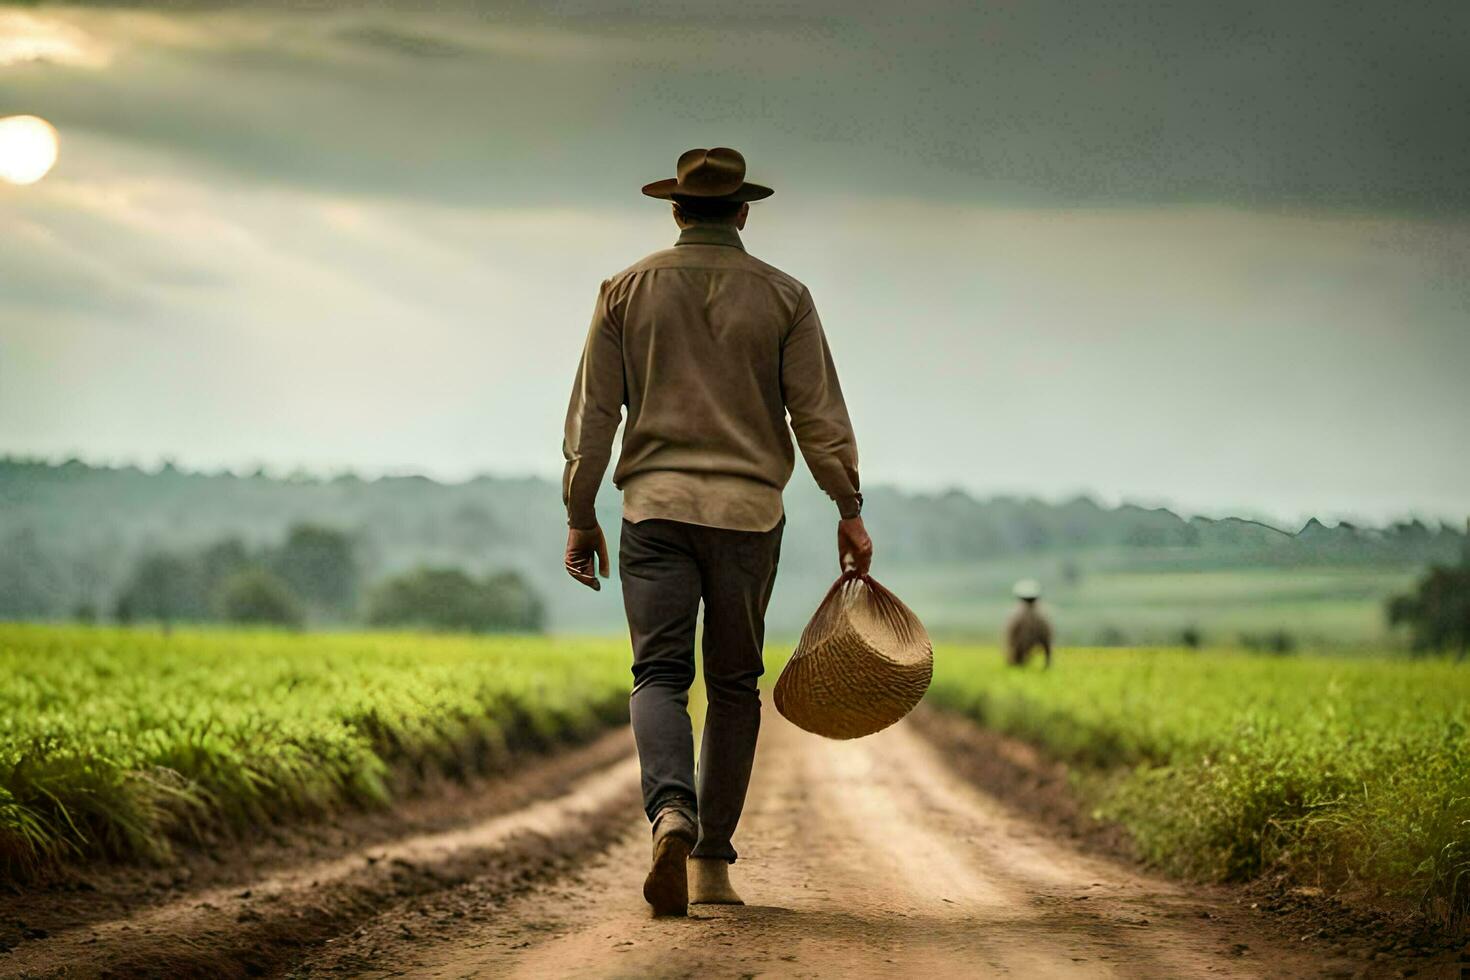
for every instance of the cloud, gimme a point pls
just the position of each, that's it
(409, 44)
(1209, 356)
(1150, 251)
(1311, 105)
(45, 276)
(27, 37)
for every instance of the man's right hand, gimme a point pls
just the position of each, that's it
(584, 548)
(854, 547)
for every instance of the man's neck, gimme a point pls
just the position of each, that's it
(711, 234)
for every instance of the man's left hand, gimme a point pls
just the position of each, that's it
(584, 547)
(854, 547)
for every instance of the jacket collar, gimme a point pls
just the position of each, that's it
(710, 235)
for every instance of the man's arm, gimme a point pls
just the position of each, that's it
(823, 430)
(592, 421)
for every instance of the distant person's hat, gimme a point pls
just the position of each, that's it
(709, 175)
(1028, 588)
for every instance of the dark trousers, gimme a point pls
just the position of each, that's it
(667, 568)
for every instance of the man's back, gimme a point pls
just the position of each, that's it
(708, 348)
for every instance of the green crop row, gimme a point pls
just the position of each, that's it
(1223, 765)
(118, 743)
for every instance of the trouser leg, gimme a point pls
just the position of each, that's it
(661, 588)
(738, 572)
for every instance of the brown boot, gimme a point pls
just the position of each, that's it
(667, 886)
(709, 882)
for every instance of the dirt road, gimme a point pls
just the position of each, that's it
(252, 908)
(866, 858)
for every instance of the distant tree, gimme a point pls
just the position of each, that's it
(85, 613)
(471, 528)
(1032, 534)
(222, 560)
(163, 587)
(449, 599)
(1071, 574)
(29, 580)
(1278, 641)
(319, 564)
(1437, 612)
(1190, 637)
(254, 596)
(1411, 533)
(515, 602)
(1145, 536)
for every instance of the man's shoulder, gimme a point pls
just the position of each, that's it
(663, 258)
(711, 257)
(786, 279)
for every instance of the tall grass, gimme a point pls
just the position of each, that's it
(1224, 765)
(118, 743)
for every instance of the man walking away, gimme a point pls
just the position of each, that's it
(708, 350)
(1027, 628)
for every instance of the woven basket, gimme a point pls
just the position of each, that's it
(863, 662)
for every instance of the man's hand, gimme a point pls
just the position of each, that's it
(854, 547)
(583, 547)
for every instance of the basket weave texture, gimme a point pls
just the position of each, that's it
(863, 662)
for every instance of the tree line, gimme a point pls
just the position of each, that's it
(1437, 612)
(315, 575)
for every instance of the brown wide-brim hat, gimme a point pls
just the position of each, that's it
(709, 175)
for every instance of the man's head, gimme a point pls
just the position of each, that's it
(689, 211)
(710, 189)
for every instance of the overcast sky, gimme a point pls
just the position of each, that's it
(1213, 255)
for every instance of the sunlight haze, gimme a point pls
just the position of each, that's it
(339, 238)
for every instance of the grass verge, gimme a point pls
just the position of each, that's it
(120, 742)
(1343, 773)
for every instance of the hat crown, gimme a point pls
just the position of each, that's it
(710, 173)
(717, 173)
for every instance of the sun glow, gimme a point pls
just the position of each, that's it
(28, 149)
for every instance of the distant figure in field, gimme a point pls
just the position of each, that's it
(1027, 628)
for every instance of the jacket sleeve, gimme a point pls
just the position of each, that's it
(818, 414)
(596, 407)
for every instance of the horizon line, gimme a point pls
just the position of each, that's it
(299, 473)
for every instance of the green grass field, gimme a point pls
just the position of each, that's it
(1325, 609)
(1224, 765)
(117, 742)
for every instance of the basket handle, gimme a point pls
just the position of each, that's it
(889, 606)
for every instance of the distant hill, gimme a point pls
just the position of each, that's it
(71, 532)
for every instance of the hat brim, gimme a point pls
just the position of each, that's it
(668, 189)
